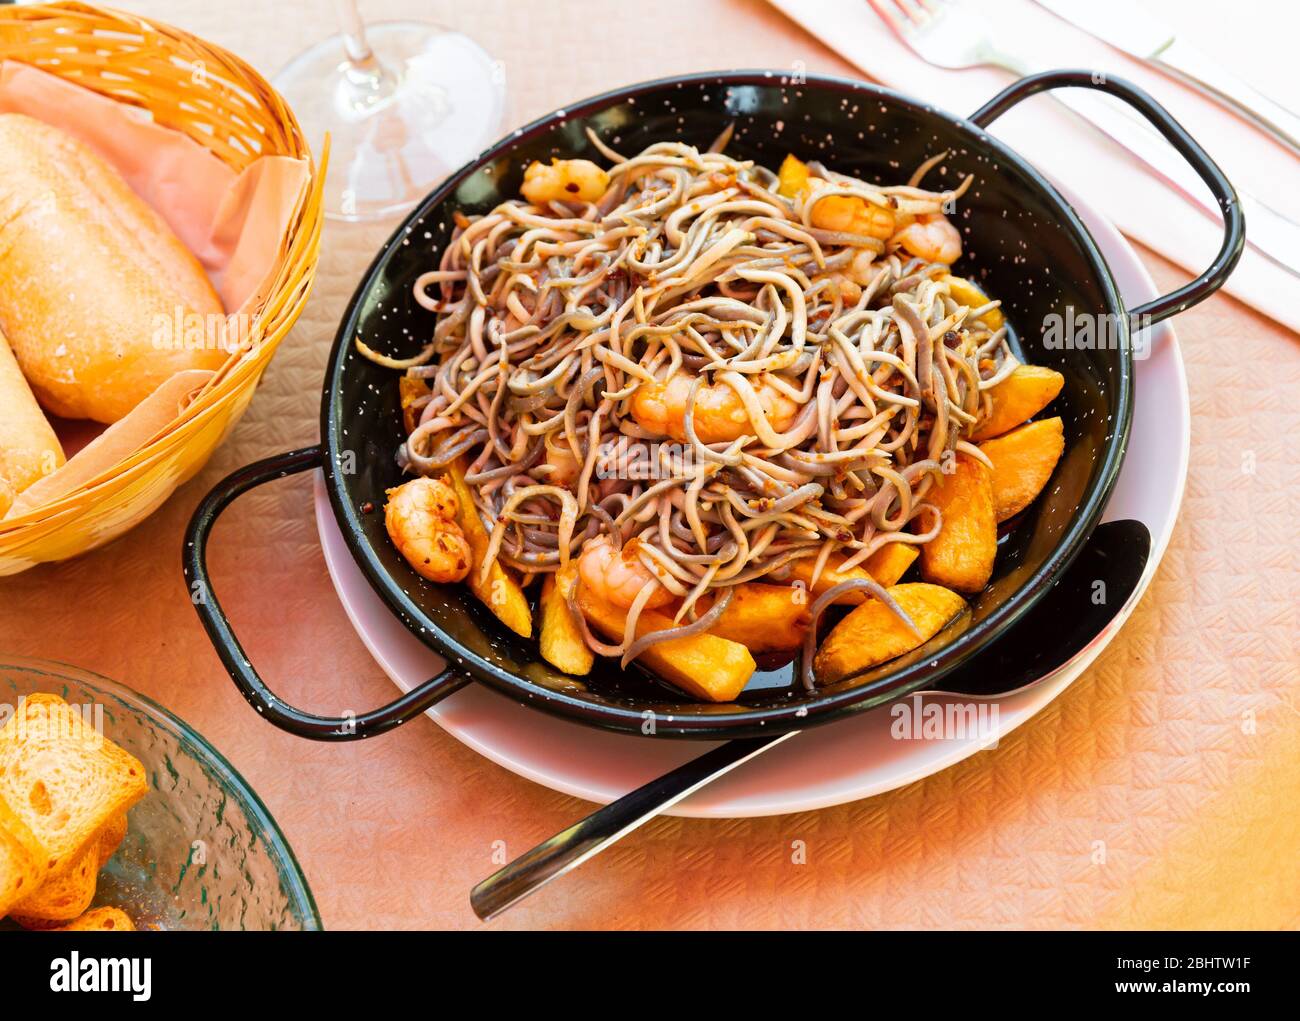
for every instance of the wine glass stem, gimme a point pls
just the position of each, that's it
(354, 31)
(367, 82)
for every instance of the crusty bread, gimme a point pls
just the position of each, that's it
(64, 780)
(111, 837)
(67, 893)
(22, 859)
(63, 896)
(100, 920)
(89, 274)
(29, 450)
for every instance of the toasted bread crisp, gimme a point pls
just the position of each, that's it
(22, 859)
(100, 920)
(64, 895)
(111, 837)
(64, 780)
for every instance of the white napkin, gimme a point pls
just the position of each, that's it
(1066, 148)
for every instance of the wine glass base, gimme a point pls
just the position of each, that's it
(430, 102)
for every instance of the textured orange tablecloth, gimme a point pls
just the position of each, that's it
(1159, 790)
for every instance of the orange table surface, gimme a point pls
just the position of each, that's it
(1160, 790)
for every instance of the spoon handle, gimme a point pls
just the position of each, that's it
(1053, 633)
(570, 848)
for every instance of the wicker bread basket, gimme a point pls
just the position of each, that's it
(235, 114)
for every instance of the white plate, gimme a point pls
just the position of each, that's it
(853, 758)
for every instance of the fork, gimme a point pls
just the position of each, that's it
(949, 34)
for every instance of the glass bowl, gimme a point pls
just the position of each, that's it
(201, 850)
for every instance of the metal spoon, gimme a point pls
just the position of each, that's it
(1063, 623)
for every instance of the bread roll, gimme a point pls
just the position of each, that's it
(100, 300)
(29, 450)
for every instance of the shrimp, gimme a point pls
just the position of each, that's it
(616, 576)
(853, 215)
(420, 516)
(720, 415)
(564, 181)
(847, 213)
(931, 237)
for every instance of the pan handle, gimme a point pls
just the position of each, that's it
(1234, 223)
(254, 689)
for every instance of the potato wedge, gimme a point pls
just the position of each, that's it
(766, 618)
(802, 570)
(1023, 461)
(706, 666)
(961, 555)
(793, 177)
(561, 641)
(871, 634)
(500, 592)
(1018, 398)
(886, 566)
(964, 292)
(890, 562)
(411, 390)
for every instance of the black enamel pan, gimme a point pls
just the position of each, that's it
(1022, 242)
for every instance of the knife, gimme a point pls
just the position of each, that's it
(1125, 26)
(1270, 233)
